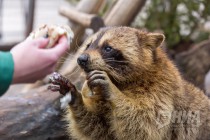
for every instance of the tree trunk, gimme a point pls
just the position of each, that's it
(35, 115)
(124, 12)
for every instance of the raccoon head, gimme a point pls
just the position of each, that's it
(124, 53)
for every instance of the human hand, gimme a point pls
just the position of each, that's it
(32, 62)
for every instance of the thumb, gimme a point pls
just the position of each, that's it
(41, 42)
(61, 47)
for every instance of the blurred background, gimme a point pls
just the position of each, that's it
(185, 23)
(17, 17)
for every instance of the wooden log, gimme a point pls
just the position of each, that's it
(124, 12)
(72, 14)
(85, 6)
(89, 6)
(87, 20)
(33, 115)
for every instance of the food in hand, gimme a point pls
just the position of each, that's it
(53, 32)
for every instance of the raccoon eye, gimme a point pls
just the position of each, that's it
(108, 49)
(88, 45)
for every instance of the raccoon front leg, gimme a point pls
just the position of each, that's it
(102, 86)
(83, 124)
(123, 110)
(65, 87)
(98, 82)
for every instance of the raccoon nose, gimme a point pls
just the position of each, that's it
(83, 59)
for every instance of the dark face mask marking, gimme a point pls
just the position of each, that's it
(112, 57)
(94, 44)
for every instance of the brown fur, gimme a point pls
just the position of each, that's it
(126, 103)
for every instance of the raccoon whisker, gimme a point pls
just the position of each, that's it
(66, 58)
(70, 54)
(114, 69)
(115, 73)
(60, 62)
(117, 80)
(120, 77)
(117, 61)
(117, 77)
(112, 59)
(77, 44)
(108, 68)
(63, 60)
(109, 59)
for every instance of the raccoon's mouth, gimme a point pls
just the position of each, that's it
(84, 62)
(87, 70)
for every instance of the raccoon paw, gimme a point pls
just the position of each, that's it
(63, 85)
(99, 82)
(59, 83)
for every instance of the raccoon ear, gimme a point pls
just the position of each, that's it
(154, 40)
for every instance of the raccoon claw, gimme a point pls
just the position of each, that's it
(98, 80)
(58, 79)
(61, 84)
(53, 88)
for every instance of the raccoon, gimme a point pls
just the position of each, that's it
(133, 91)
